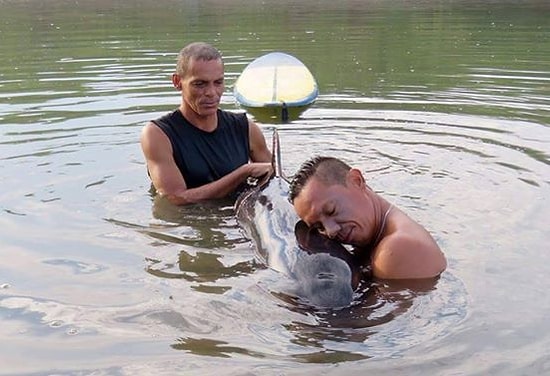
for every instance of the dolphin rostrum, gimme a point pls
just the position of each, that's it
(323, 272)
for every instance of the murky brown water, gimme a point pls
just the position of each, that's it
(444, 106)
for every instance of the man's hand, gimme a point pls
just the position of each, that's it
(258, 170)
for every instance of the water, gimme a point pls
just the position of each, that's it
(445, 106)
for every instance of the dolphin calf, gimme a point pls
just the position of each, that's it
(323, 272)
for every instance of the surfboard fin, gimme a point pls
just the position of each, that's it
(284, 113)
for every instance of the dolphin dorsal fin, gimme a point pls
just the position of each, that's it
(276, 155)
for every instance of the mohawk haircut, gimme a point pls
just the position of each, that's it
(328, 170)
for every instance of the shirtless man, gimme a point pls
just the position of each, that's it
(199, 152)
(332, 197)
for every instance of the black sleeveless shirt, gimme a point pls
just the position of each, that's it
(203, 157)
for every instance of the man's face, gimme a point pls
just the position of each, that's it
(203, 86)
(341, 212)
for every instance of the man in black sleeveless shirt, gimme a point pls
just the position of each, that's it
(199, 152)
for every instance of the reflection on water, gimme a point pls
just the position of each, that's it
(209, 225)
(210, 347)
(443, 105)
(201, 267)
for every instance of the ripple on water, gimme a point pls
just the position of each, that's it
(454, 130)
(382, 323)
(386, 319)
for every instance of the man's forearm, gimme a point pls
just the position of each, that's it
(216, 189)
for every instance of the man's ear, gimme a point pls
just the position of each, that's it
(176, 81)
(354, 178)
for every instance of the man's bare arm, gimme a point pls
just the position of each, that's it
(258, 148)
(168, 180)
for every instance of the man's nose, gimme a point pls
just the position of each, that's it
(209, 91)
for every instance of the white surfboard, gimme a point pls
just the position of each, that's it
(276, 80)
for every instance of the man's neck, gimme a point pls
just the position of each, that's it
(365, 251)
(207, 123)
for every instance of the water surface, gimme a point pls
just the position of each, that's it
(445, 107)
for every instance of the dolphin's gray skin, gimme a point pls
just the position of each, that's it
(324, 272)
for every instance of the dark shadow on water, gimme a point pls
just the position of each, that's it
(375, 303)
(200, 267)
(222, 349)
(210, 347)
(204, 225)
(207, 225)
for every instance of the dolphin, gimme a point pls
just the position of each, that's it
(323, 272)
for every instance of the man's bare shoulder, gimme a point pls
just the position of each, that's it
(150, 127)
(407, 251)
(152, 132)
(154, 142)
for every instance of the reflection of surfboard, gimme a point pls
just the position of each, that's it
(276, 80)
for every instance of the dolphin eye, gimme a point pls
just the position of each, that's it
(318, 227)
